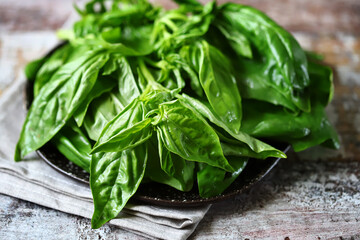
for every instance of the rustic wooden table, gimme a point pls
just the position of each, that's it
(312, 195)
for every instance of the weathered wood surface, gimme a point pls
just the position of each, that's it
(304, 198)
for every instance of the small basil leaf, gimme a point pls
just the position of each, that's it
(182, 177)
(102, 85)
(238, 41)
(74, 145)
(128, 88)
(100, 112)
(213, 181)
(220, 85)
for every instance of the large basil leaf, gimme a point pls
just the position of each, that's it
(114, 178)
(116, 71)
(254, 82)
(261, 149)
(57, 101)
(189, 136)
(304, 130)
(219, 85)
(264, 120)
(286, 61)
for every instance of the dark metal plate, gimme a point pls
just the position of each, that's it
(161, 194)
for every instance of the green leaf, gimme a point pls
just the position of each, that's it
(74, 145)
(262, 149)
(213, 181)
(303, 130)
(254, 82)
(102, 85)
(285, 60)
(264, 120)
(57, 101)
(182, 171)
(50, 66)
(238, 41)
(128, 88)
(321, 131)
(101, 111)
(128, 129)
(189, 136)
(32, 68)
(259, 148)
(219, 85)
(321, 82)
(120, 73)
(190, 3)
(114, 178)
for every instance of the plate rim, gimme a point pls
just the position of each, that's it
(166, 202)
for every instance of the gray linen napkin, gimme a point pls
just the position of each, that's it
(33, 180)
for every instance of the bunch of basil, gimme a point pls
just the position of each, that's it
(139, 93)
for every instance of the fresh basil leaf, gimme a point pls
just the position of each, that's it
(321, 82)
(213, 181)
(190, 3)
(286, 60)
(219, 85)
(197, 25)
(321, 131)
(264, 120)
(57, 101)
(102, 85)
(128, 129)
(89, 24)
(302, 130)
(128, 88)
(100, 112)
(114, 178)
(182, 177)
(262, 149)
(74, 145)
(189, 136)
(32, 68)
(50, 66)
(254, 82)
(238, 41)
